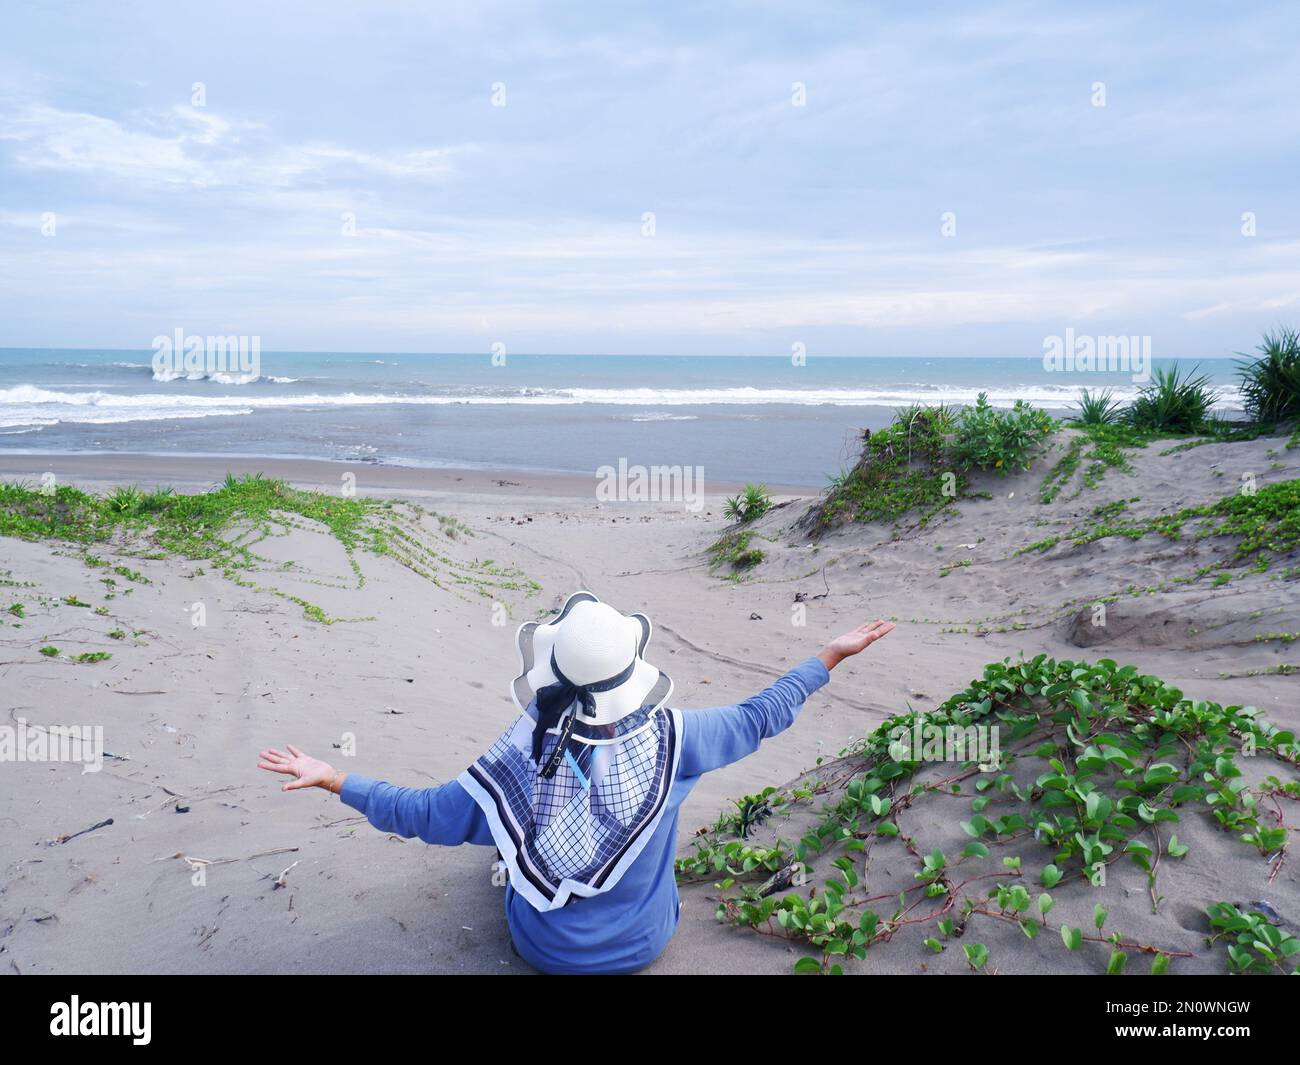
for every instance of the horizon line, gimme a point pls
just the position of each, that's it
(582, 354)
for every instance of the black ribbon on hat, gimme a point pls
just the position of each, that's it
(554, 700)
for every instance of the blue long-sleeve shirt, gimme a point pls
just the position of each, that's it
(628, 926)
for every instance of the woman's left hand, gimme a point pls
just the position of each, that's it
(854, 642)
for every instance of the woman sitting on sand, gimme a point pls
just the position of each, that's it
(581, 794)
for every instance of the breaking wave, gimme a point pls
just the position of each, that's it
(30, 405)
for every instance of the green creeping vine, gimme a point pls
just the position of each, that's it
(923, 460)
(733, 549)
(222, 528)
(901, 470)
(1093, 761)
(1254, 943)
(1104, 446)
(1266, 521)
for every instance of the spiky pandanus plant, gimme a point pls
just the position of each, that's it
(1270, 382)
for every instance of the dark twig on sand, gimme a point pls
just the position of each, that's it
(823, 595)
(57, 840)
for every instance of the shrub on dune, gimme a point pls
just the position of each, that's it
(1098, 409)
(1174, 402)
(1270, 383)
(752, 503)
(1001, 440)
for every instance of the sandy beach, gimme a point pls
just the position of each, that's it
(207, 867)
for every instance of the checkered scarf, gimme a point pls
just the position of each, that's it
(574, 834)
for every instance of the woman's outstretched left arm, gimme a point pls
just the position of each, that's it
(725, 734)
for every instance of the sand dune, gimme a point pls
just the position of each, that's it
(207, 867)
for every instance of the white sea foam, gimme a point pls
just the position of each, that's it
(100, 365)
(31, 420)
(218, 378)
(1057, 396)
(31, 405)
(1051, 396)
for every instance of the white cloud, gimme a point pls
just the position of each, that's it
(73, 140)
(188, 146)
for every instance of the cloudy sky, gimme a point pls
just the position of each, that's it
(341, 176)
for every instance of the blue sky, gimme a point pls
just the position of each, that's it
(773, 224)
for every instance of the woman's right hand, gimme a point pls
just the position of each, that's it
(309, 772)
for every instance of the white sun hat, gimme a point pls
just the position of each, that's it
(596, 649)
(576, 787)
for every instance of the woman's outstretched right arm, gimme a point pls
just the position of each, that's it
(445, 814)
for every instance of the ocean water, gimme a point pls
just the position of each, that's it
(740, 418)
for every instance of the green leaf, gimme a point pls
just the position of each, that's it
(976, 954)
(1099, 915)
(1093, 803)
(1176, 849)
(807, 965)
(1045, 903)
(934, 945)
(1072, 937)
(975, 849)
(1050, 876)
(1080, 699)
(1160, 965)
(1116, 964)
